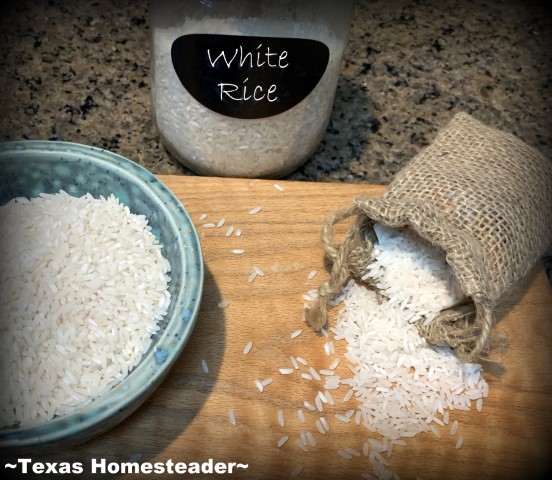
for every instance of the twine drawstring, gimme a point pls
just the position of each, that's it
(338, 256)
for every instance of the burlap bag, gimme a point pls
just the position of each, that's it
(481, 195)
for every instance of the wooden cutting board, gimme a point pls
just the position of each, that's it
(186, 419)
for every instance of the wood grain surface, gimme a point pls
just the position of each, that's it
(186, 419)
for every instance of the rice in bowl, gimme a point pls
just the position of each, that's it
(163, 229)
(83, 287)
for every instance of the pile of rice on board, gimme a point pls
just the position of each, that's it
(70, 266)
(395, 386)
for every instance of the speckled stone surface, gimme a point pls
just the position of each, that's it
(80, 72)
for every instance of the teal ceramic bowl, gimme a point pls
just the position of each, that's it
(31, 167)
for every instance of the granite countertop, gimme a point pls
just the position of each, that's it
(80, 72)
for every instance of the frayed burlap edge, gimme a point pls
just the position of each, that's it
(467, 330)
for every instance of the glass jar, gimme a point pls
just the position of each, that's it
(245, 88)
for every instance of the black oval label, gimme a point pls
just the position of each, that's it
(248, 77)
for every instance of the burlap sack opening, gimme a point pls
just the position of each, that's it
(481, 195)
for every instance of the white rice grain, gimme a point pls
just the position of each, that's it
(259, 271)
(342, 418)
(329, 397)
(312, 274)
(282, 441)
(344, 454)
(297, 470)
(296, 333)
(314, 373)
(281, 419)
(322, 397)
(454, 427)
(310, 439)
(320, 427)
(248, 347)
(352, 451)
(479, 404)
(318, 404)
(302, 445)
(358, 418)
(348, 395)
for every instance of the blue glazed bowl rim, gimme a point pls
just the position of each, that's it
(105, 412)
